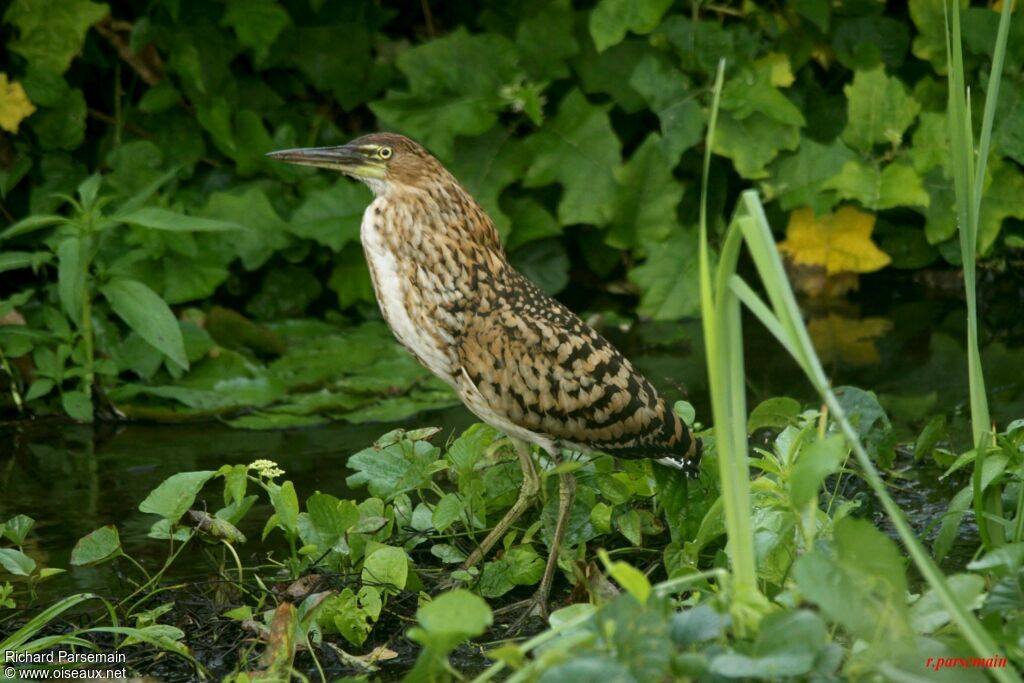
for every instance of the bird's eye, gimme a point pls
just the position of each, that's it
(384, 152)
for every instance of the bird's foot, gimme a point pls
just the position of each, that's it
(525, 610)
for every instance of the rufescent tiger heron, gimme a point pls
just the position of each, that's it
(521, 361)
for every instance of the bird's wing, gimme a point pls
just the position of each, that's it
(533, 364)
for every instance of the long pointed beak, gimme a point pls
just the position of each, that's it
(346, 159)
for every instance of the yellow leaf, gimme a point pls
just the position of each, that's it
(851, 341)
(14, 104)
(840, 241)
(779, 67)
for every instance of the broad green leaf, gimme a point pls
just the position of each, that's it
(386, 568)
(286, 506)
(929, 16)
(331, 518)
(51, 32)
(701, 44)
(545, 40)
(332, 216)
(393, 470)
(751, 91)
(629, 525)
(631, 579)
(97, 547)
(879, 110)
(16, 528)
(486, 165)
(608, 72)
(450, 619)
(789, 644)
(611, 19)
(61, 125)
(545, 263)
(1008, 129)
(162, 219)
(250, 207)
(752, 142)
(797, 178)
(817, 461)
(72, 273)
(257, 23)
(867, 41)
(1002, 200)
(668, 277)
(940, 214)
(646, 198)
(350, 278)
(16, 562)
(337, 58)
(928, 614)
(773, 412)
(530, 221)
(77, 405)
(876, 188)
(839, 242)
(455, 88)
(447, 511)
(930, 146)
(579, 150)
(672, 97)
(146, 313)
(175, 495)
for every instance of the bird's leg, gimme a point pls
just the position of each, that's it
(527, 493)
(538, 604)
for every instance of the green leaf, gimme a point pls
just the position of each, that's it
(77, 405)
(751, 91)
(250, 207)
(350, 278)
(611, 19)
(257, 23)
(928, 614)
(817, 461)
(448, 620)
(175, 495)
(545, 262)
(668, 277)
(864, 42)
(545, 40)
(16, 562)
(629, 525)
(797, 178)
(930, 143)
(455, 85)
(789, 644)
(51, 32)
(446, 512)
(386, 568)
(486, 165)
(879, 110)
(671, 96)
(752, 142)
(579, 150)
(1002, 200)
(16, 528)
(395, 469)
(146, 313)
(286, 506)
(864, 587)
(72, 272)
(646, 198)
(31, 224)
(531, 221)
(61, 125)
(897, 184)
(15, 260)
(929, 16)
(97, 547)
(777, 412)
(332, 216)
(162, 219)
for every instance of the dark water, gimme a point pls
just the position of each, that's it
(902, 340)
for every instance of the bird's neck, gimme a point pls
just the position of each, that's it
(444, 213)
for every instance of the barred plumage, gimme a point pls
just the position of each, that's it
(520, 360)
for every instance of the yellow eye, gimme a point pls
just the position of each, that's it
(384, 152)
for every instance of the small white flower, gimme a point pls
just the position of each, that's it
(266, 468)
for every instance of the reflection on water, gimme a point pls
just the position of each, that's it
(75, 478)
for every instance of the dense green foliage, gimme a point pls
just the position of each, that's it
(578, 129)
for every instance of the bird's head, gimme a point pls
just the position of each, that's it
(384, 161)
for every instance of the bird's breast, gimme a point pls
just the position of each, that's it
(412, 296)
